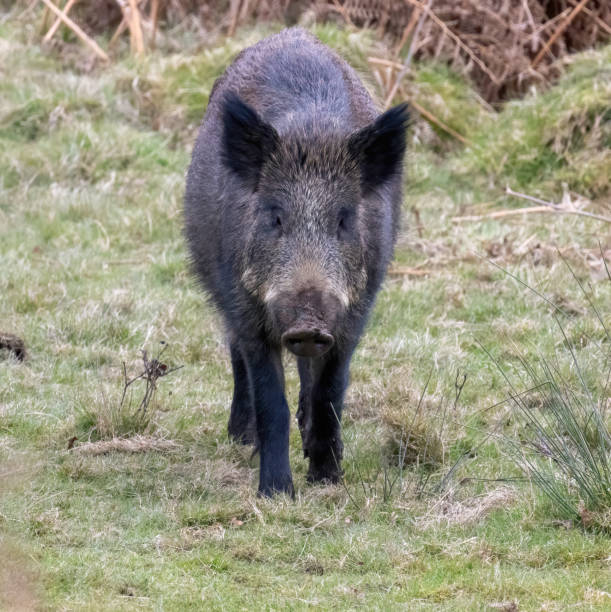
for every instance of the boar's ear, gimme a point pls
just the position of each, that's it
(379, 147)
(247, 139)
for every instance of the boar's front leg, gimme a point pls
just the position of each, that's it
(242, 422)
(266, 378)
(323, 443)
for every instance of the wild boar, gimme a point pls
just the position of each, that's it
(291, 215)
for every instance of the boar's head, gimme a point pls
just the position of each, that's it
(310, 198)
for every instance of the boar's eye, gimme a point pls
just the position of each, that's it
(275, 217)
(345, 223)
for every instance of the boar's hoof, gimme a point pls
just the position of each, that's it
(247, 438)
(278, 485)
(305, 342)
(324, 474)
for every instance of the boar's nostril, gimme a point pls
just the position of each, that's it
(307, 342)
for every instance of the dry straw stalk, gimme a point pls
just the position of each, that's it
(78, 31)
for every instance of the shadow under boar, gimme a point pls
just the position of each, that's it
(291, 214)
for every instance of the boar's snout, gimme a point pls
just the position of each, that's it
(307, 341)
(306, 320)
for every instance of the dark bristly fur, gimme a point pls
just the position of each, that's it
(291, 214)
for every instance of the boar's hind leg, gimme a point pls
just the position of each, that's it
(242, 422)
(324, 443)
(266, 378)
(304, 412)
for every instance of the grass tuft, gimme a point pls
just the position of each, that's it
(415, 427)
(566, 445)
(133, 412)
(565, 439)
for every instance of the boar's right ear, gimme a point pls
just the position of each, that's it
(380, 146)
(247, 140)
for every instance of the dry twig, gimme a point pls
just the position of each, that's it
(120, 29)
(561, 28)
(456, 39)
(391, 94)
(408, 30)
(546, 207)
(385, 62)
(153, 370)
(503, 213)
(599, 22)
(433, 119)
(562, 208)
(58, 21)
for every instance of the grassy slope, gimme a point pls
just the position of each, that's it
(93, 268)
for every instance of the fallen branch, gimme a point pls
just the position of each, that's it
(556, 207)
(77, 30)
(502, 213)
(531, 209)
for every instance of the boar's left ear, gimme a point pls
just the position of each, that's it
(380, 146)
(247, 140)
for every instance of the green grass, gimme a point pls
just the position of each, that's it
(93, 269)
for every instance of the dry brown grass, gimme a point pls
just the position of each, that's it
(135, 444)
(469, 511)
(505, 46)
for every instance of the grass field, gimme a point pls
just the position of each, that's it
(93, 269)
